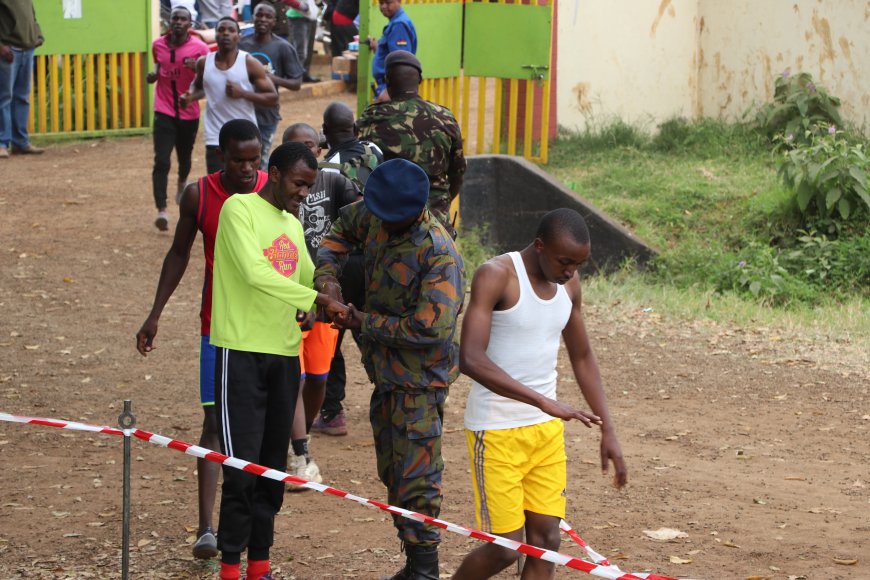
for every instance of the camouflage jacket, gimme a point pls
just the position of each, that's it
(418, 131)
(415, 286)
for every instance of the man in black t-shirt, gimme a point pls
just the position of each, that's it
(282, 66)
(331, 192)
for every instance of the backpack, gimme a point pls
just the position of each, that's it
(357, 169)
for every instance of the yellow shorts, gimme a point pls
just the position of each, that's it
(517, 470)
(316, 350)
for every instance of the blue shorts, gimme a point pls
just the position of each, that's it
(207, 356)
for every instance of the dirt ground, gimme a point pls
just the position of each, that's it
(752, 442)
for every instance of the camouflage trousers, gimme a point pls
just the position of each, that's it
(407, 430)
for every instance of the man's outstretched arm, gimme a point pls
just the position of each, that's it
(585, 368)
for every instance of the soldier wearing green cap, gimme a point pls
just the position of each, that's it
(409, 127)
(415, 281)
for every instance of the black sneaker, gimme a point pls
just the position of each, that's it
(206, 545)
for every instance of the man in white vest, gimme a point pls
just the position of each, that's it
(233, 82)
(521, 304)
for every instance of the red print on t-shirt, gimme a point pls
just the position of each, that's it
(283, 254)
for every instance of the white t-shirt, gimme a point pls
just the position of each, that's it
(220, 108)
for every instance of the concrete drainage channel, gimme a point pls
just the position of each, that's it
(509, 195)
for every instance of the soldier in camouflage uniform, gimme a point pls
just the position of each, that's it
(425, 133)
(415, 282)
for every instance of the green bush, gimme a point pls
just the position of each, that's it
(828, 174)
(799, 105)
(840, 265)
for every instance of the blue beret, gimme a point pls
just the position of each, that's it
(396, 190)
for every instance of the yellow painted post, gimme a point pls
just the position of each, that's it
(545, 121)
(448, 90)
(124, 93)
(457, 94)
(91, 87)
(42, 104)
(512, 118)
(529, 116)
(451, 91)
(481, 114)
(496, 117)
(31, 117)
(55, 94)
(101, 88)
(113, 93)
(67, 93)
(466, 105)
(453, 212)
(137, 90)
(80, 101)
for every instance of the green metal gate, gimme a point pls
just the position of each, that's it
(488, 62)
(89, 77)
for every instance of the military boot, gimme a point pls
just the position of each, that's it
(421, 564)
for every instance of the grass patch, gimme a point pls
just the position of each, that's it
(707, 196)
(848, 318)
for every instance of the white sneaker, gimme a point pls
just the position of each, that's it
(298, 467)
(312, 472)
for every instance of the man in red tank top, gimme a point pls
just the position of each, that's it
(200, 206)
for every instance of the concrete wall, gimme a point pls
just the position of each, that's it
(510, 196)
(648, 60)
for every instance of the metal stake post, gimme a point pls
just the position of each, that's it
(126, 421)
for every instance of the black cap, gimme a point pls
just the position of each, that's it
(402, 57)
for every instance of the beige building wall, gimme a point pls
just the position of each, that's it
(648, 60)
(746, 43)
(632, 59)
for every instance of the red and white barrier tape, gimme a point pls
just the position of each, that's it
(598, 558)
(603, 570)
(595, 556)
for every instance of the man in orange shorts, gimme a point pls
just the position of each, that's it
(330, 193)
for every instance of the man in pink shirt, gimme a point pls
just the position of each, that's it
(175, 126)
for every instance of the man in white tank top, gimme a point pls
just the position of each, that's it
(233, 82)
(521, 304)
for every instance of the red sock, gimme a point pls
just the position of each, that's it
(257, 569)
(230, 571)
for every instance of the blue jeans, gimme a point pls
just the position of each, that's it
(267, 132)
(15, 98)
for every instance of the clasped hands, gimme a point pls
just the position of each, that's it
(331, 303)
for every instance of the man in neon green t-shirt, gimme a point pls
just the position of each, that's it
(262, 278)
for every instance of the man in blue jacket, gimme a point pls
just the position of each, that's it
(399, 34)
